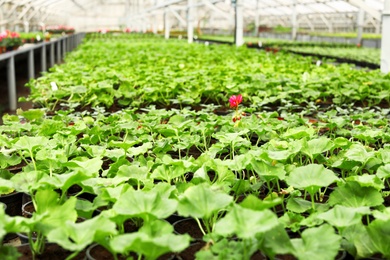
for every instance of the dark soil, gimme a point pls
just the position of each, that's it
(189, 252)
(51, 252)
(188, 226)
(13, 201)
(97, 252)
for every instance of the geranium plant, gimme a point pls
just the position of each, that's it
(234, 101)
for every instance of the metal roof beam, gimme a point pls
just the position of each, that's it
(385, 50)
(361, 4)
(216, 9)
(79, 5)
(178, 17)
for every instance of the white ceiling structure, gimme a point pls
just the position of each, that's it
(222, 15)
(90, 15)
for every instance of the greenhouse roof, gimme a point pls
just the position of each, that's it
(117, 11)
(265, 7)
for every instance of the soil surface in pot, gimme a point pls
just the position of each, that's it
(51, 252)
(98, 252)
(188, 226)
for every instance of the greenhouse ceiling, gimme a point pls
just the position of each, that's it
(90, 15)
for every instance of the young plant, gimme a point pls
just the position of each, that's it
(49, 214)
(153, 239)
(311, 178)
(203, 203)
(144, 205)
(247, 221)
(77, 236)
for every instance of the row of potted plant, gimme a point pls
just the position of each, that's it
(220, 167)
(9, 41)
(188, 74)
(60, 29)
(139, 150)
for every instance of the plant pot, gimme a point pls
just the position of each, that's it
(340, 256)
(174, 218)
(189, 252)
(188, 226)
(52, 251)
(28, 209)
(23, 237)
(3, 205)
(10, 236)
(75, 189)
(13, 201)
(98, 252)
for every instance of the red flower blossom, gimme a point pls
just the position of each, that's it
(235, 100)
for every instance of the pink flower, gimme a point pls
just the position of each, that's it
(235, 100)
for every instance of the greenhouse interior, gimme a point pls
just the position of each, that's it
(194, 129)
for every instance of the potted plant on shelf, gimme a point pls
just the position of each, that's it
(3, 42)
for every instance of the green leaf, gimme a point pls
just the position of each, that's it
(246, 223)
(357, 152)
(73, 236)
(357, 241)
(28, 181)
(275, 241)
(379, 233)
(50, 213)
(298, 205)
(367, 180)
(317, 146)
(9, 160)
(311, 178)
(152, 240)
(384, 171)
(351, 194)
(268, 172)
(317, 243)
(254, 203)
(341, 216)
(6, 186)
(139, 203)
(30, 142)
(90, 167)
(9, 252)
(201, 201)
(144, 148)
(299, 132)
(32, 114)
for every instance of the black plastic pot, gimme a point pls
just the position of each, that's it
(3, 205)
(13, 201)
(28, 209)
(188, 226)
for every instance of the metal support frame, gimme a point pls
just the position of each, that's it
(178, 17)
(167, 26)
(385, 51)
(52, 62)
(307, 20)
(294, 21)
(257, 19)
(43, 59)
(361, 4)
(63, 47)
(31, 68)
(190, 22)
(360, 25)
(327, 23)
(59, 51)
(239, 23)
(11, 83)
(9, 57)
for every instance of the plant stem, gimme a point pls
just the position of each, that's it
(200, 226)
